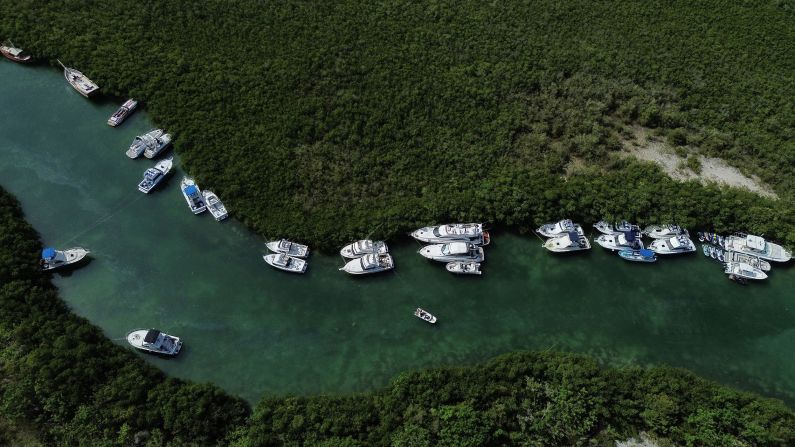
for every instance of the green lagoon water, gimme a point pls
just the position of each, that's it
(254, 330)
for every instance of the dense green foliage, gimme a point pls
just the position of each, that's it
(65, 384)
(329, 120)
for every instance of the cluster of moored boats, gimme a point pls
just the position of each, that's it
(743, 256)
(458, 245)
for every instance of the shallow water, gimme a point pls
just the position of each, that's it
(254, 330)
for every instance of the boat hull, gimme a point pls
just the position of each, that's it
(302, 265)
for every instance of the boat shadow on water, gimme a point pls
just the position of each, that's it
(67, 270)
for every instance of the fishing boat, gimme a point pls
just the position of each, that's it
(757, 246)
(459, 232)
(744, 270)
(124, 111)
(568, 242)
(285, 262)
(369, 263)
(52, 259)
(638, 255)
(754, 261)
(214, 204)
(363, 247)
(153, 176)
(288, 248)
(605, 227)
(664, 231)
(557, 228)
(425, 316)
(673, 245)
(463, 268)
(154, 342)
(79, 81)
(618, 241)
(151, 142)
(193, 195)
(453, 251)
(12, 53)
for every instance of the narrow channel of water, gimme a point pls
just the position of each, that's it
(254, 330)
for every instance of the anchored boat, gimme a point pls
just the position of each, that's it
(754, 261)
(153, 176)
(154, 342)
(459, 232)
(52, 259)
(193, 195)
(673, 245)
(214, 204)
(558, 228)
(424, 316)
(463, 268)
(663, 231)
(618, 241)
(79, 81)
(124, 111)
(149, 144)
(370, 263)
(12, 53)
(757, 246)
(285, 262)
(744, 270)
(363, 247)
(568, 242)
(288, 248)
(638, 255)
(454, 251)
(605, 227)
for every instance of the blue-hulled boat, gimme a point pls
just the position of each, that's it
(641, 255)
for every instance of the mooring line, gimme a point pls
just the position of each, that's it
(104, 219)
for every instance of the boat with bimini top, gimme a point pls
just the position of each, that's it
(154, 342)
(154, 175)
(642, 255)
(568, 242)
(52, 259)
(193, 195)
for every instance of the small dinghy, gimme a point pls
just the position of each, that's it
(425, 316)
(744, 270)
(153, 176)
(154, 342)
(700, 236)
(214, 204)
(721, 241)
(124, 111)
(12, 53)
(193, 195)
(79, 81)
(52, 259)
(149, 144)
(705, 249)
(713, 252)
(454, 251)
(367, 264)
(288, 248)
(721, 257)
(642, 255)
(463, 268)
(664, 231)
(285, 262)
(363, 247)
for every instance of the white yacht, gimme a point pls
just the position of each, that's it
(753, 261)
(79, 81)
(569, 241)
(369, 263)
(424, 316)
(154, 342)
(363, 247)
(557, 229)
(463, 268)
(153, 176)
(673, 245)
(124, 111)
(453, 251)
(460, 232)
(52, 259)
(193, 195)
(757, 246)
(664, 231)
(608, 228)
(150, 143)
(214, 204)
(285, 262)
(618, 241)
(288, 248)
(744, 270)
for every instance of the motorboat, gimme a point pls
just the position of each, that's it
(124, 111)
(153, 176)
(369, 263)
(214, 204)
(568, 242)
(453, 251)
(79, 81)
(464, 268)
(459, 232)
(285, 262)
(52, 259)
(753, 261)
(363, 247)
(744, 270)
(288, 248)
(558, 228)
(664, 231)
(673, 245)
(424, 316)
(154, 342)
(605, 227)
(193, 195)
(12, 53)
(642, 255)
(152, 143)
(618, 241)
(757, 246)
